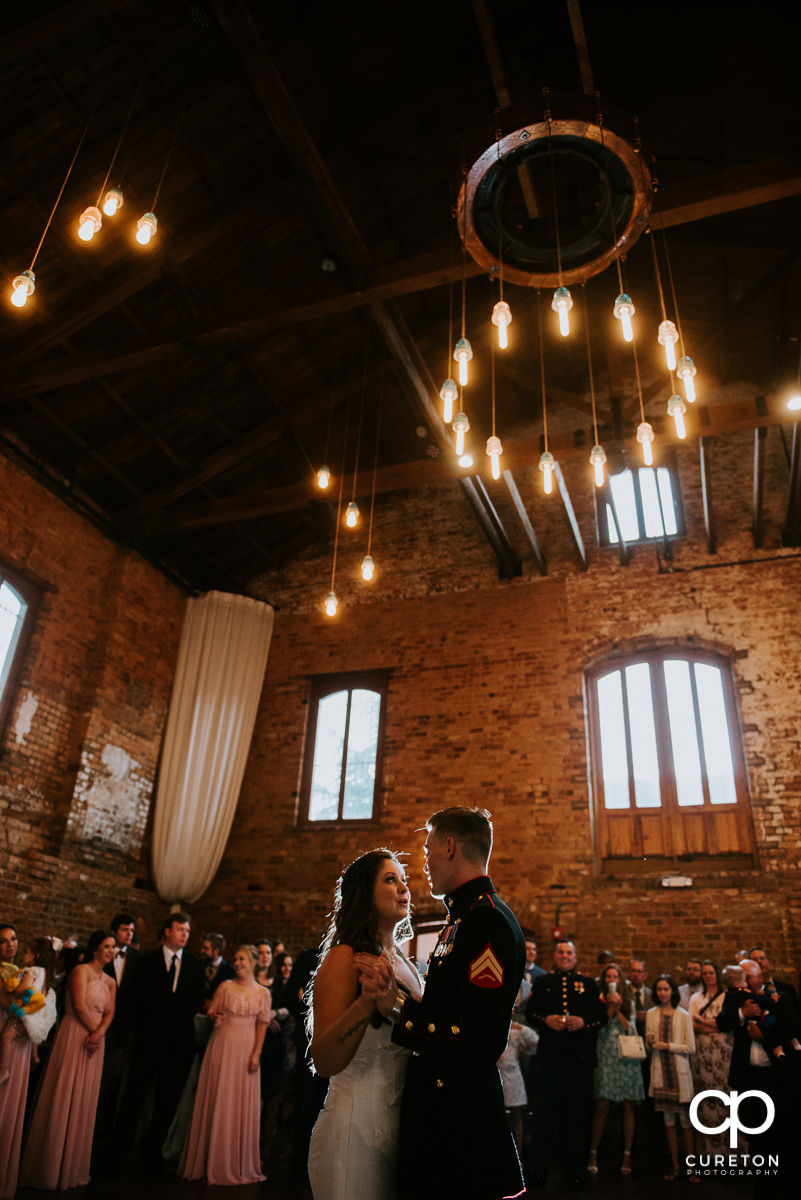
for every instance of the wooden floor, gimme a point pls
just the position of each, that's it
(132, 1184)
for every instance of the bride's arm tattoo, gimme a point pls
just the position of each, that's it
(353, 1029)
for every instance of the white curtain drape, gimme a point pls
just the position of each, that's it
(221, 662)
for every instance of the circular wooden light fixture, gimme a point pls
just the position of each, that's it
(603, 201)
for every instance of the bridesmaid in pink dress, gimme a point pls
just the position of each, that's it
(223, 1143)
(15, 1089)
(59, 1143)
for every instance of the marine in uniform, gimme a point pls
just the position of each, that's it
(566, 1010)
(454, 1136)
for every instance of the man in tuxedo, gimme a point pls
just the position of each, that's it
(215, 969)
(167, 992)
(116, 1059)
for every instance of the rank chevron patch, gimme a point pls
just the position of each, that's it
(485, 970)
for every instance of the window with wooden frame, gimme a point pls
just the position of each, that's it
(640, 505)
(668, 772)
(341, 779)
(19, 600)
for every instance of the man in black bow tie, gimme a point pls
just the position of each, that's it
(122, 970)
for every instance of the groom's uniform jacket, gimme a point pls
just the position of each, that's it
(454, 1137)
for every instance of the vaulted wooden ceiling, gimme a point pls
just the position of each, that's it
(297, 291)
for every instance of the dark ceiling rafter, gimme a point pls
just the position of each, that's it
(706, 495)
(735, 417)
(330, 210)
(177, 403)
(432, 270)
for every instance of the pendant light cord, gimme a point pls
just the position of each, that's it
(69, 170)
(542, 373)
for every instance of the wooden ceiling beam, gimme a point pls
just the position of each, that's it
(393, 328)
(64, 21)
(269, 88)
(295, 308)
(709, 195)
(727, 191)
(525, 522)
(761, 412)
(706, 496)
(580, 42)
(609, 498)
(492, 53)
(570, 516)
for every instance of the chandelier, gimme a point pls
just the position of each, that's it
(589, 223)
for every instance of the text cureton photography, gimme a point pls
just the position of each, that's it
(732, 1164)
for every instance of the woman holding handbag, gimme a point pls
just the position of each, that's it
(618, 1079)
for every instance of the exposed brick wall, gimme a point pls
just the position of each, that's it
(79, 754)
(486, 707)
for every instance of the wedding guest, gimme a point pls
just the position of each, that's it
(59, 1142)
(223, 1143)
(14, 1092)
(710, 1063)
(670, 1038)
(617, 1080)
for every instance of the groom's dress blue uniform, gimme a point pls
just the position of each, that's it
(454, 1137)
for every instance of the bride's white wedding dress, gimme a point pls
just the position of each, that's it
(354, 1145)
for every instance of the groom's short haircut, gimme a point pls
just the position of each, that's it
(470, 828)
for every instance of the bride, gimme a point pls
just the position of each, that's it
(354, 1144)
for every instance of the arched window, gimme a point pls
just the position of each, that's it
(668, 773)
(18, 601)
(342, 766)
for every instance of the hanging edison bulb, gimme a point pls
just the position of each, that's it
(686, 370)
(495, 450)
(113, 201)
(502, 317)
(368, 566)
(624, 310)
(146, 226)
(324, 477)
(547, 466)
(676, 408)
(645, 436)
(462, 353)
(794, 403)
(460, 427)
(89, 223)
(465, 460)
(352, 514)
(331, 604)
(597, 460)
(23, 286)
(448, 394)
(562, 303)
(667, 336)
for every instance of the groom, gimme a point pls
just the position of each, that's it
(460, 1027)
